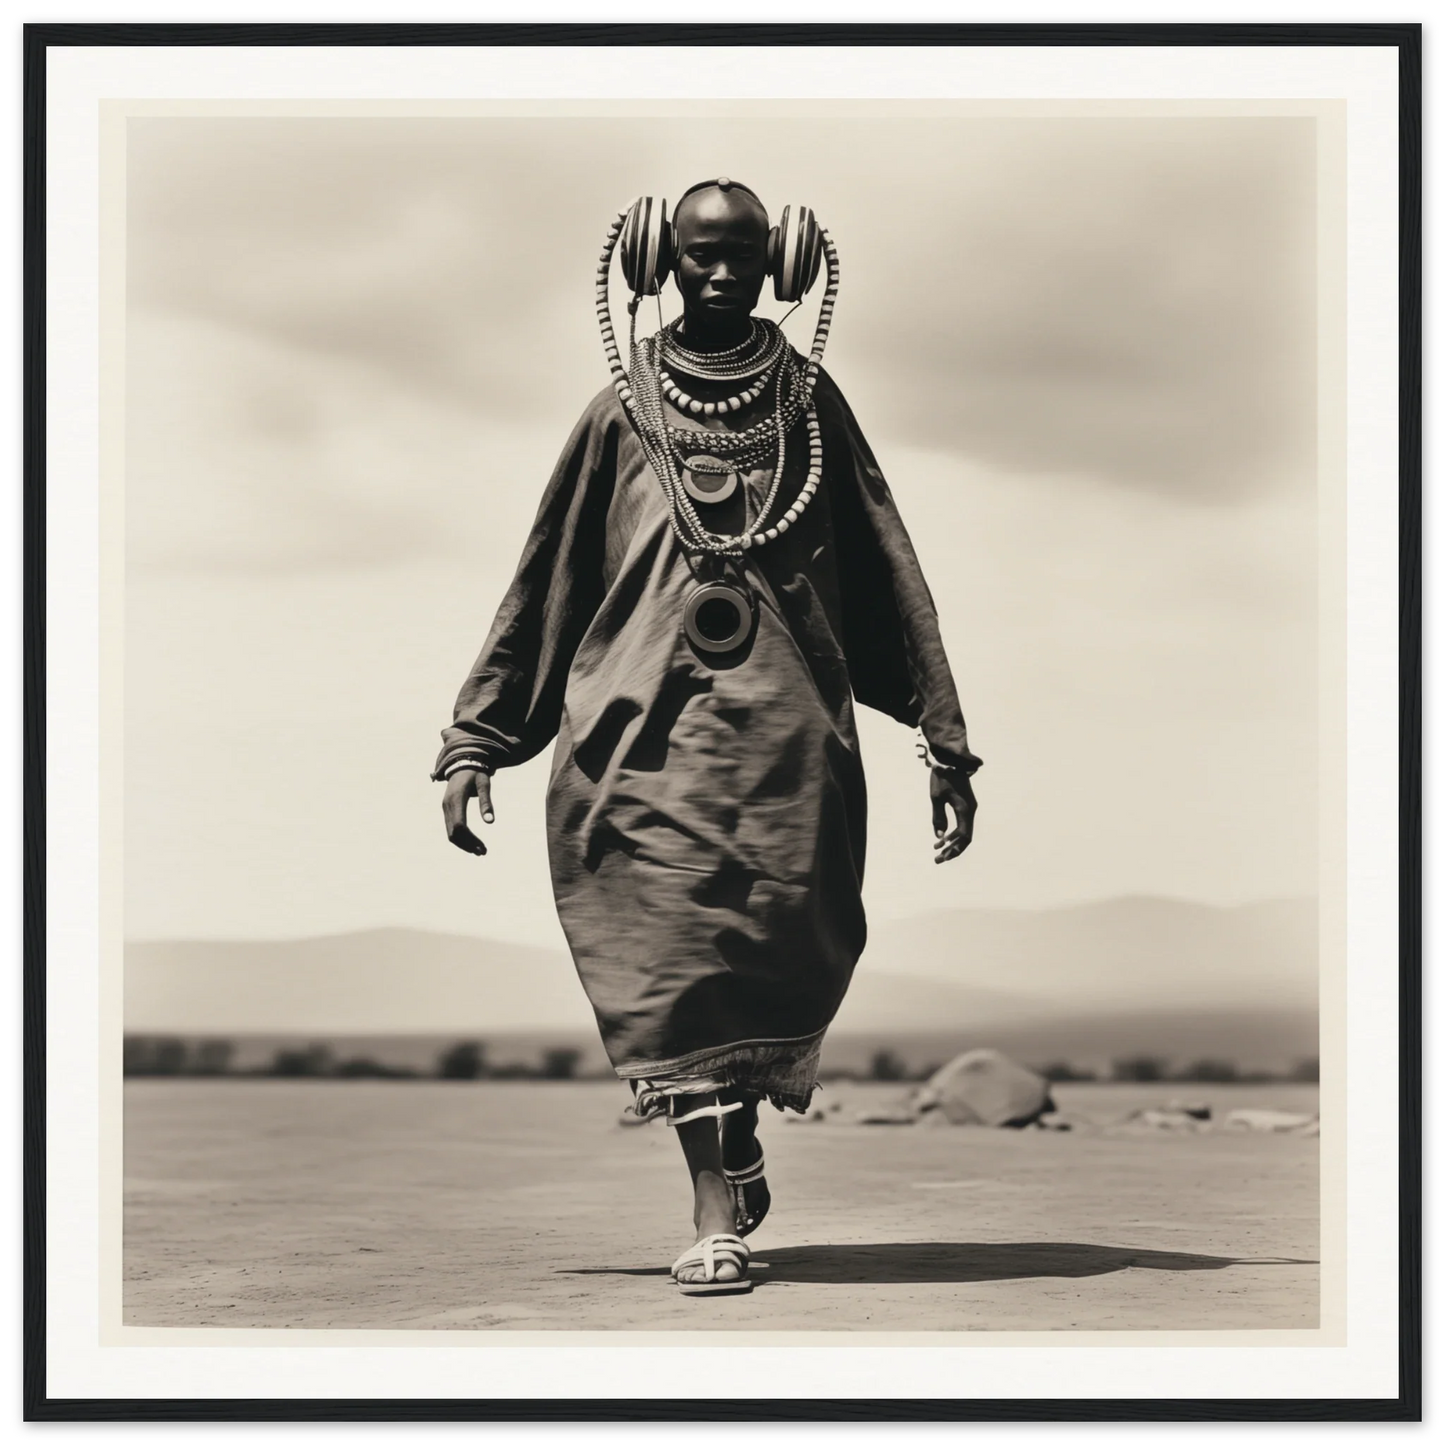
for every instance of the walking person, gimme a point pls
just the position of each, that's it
(716, 573)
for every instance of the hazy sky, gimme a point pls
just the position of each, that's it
(1083, 350)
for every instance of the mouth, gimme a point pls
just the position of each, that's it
(724, 303)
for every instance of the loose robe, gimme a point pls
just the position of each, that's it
(706, 813)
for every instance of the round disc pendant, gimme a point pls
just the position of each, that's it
(717, 618)
(706, 479)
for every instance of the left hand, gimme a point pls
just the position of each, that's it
(951, 791)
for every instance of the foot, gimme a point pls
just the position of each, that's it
(726, 1274)
(713, 1214)
(740, 1148)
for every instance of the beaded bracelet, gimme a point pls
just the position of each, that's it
(925, 753)
(465, 764)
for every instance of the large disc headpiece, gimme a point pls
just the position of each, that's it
(646, 246)
(795, 251)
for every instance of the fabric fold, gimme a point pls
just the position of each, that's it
(706, 813)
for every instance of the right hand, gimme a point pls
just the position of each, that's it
(462, 787)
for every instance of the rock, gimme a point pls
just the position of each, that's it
(1163, 1119)
(984, 1087)
(886, 1116)
(1065, 1122)
(1195, 1111)
(1270, 1121)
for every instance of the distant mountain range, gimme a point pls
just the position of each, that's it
(1122, 954)
(1076, 981)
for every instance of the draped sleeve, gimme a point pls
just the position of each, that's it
(510, 706)
(896, 660)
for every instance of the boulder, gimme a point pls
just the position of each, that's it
(887, 1116)
(984, 1087)
(1181, 1120)
(1194, 1109)
(1270, 1121)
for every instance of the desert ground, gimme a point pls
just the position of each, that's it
(361, 1204)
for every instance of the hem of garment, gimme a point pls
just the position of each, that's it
(783, 1071)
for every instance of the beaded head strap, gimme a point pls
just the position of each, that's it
(722, 183)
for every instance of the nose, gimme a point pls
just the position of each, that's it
(721, 272)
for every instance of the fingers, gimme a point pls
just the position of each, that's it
(952, 843)
(461, 837)
(454, 813)
(946, 793)
(466, 840)
(484, 797)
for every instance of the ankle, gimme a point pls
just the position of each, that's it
(740, 1146)
(712, 1205)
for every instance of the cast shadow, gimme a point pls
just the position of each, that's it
(961, 1263)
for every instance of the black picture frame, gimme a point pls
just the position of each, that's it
(41, 39)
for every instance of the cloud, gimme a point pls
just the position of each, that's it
(1124, 299)
(1130, 301)
(250, 453)
(1083, 352)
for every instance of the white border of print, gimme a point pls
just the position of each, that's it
(271, 1364)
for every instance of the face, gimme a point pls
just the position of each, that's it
(722, 246)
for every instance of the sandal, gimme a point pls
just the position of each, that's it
(703, 1111)
(738, 1180)
(706, 1252)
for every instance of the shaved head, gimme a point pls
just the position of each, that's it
(730, 205)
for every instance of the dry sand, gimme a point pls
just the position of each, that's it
(435, 1206)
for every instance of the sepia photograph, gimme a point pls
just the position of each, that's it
(543, 601)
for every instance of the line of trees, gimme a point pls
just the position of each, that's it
(1149, 1068)
(169, 1057)
(886, 1066)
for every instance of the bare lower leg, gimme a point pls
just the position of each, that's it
(712, 1210)
(739, 1136)
(740, 1150)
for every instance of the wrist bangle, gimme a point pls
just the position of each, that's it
(471, 765)
(932, 763)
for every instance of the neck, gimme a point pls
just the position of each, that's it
(713, 333)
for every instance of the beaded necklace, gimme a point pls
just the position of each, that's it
(725, 365)
(683, 402)
(756, 440)
(641, 394)
(706, 360)
(753, 360)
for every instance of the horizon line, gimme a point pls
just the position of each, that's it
(545, 947)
